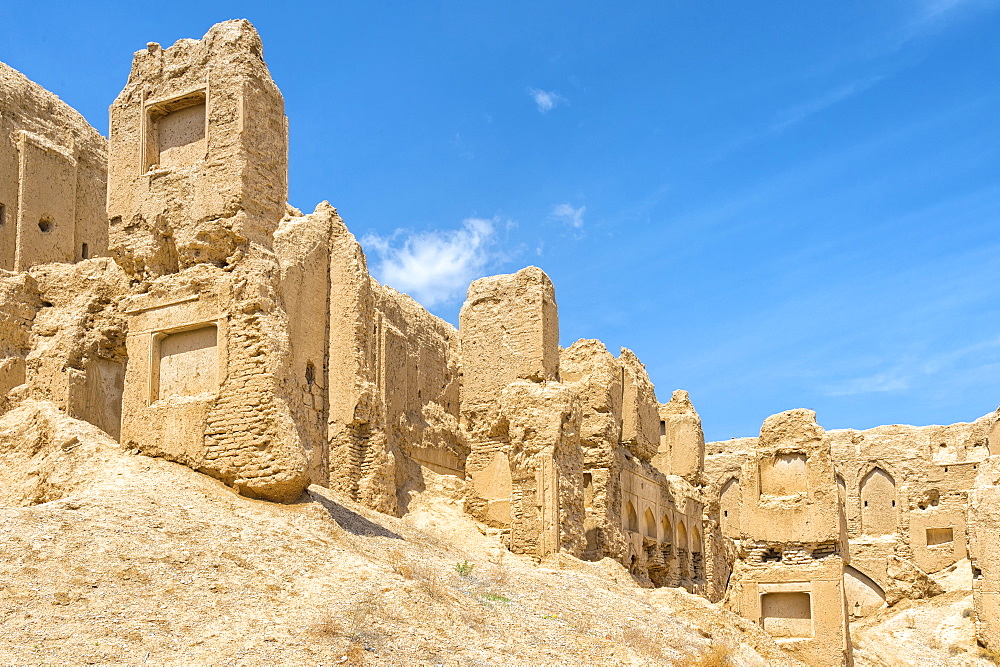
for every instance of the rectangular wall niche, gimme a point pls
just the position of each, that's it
(185, 362)
(783, 475)
(176, 131)
(939, 536)
(787, 614)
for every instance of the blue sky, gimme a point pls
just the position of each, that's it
(775, 205)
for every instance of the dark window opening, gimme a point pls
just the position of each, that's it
(893, 503)
(3, 214)
(45, 224)
(85, 251)
(663, 428)
(310, 373)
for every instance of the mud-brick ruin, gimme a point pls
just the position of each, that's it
(157, 285)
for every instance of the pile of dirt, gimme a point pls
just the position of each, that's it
(921, 633)
(111, 557)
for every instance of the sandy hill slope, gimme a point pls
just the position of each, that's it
(114, 558)
(924, 633)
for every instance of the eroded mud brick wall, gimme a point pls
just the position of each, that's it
(197, 189)
(19, 301)
(198, 161)
(598, 377)
(53, 178)
(681, 449)
(393, 378)
(509, 330)
(541, 422)
(984, 543)
(633, 513)
(789, 576)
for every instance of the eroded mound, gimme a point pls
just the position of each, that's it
(113, 558)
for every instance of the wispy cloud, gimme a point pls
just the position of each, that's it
(907, 373)
(934, 15)
(546, 100)
(886, 381)
(434, 267)
(568, 215)
(800, 112)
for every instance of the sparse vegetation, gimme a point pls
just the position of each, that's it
(464, 568)
(989, 654)
(717, 655)
(646, 644)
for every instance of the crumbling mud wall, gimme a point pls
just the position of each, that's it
(393, 384)
(984, 546)
(232, 333)
(580, 421)
(53, 178)
(792, 546)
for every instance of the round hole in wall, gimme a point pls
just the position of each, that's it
(45, 224)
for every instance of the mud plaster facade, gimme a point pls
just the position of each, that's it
(197, 317)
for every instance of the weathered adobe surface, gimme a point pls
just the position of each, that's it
(53, 167)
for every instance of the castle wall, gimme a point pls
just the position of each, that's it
(984, 546)
(792, 546)
(53, 179)
(198, 154)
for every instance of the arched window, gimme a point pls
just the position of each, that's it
(631, 518)
(878, 503)
(668, 530)
(649, 522)
(729, 508)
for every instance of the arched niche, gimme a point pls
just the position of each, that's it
(667, 530)
(863, 593)
(649, 523)
(695, 540)
(878, 503)
(729, 508)
(631, 518)
(682, 535)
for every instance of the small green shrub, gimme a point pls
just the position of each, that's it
(464, 568)
(495, 597)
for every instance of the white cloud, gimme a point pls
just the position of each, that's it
(565, 213)
(437, 266)
(546, 100)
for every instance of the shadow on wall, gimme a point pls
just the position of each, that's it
(350, 521)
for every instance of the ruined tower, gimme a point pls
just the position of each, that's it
(197, 188)
(793, 541)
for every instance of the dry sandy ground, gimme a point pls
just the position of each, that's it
(924, 633)
(111, 558)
